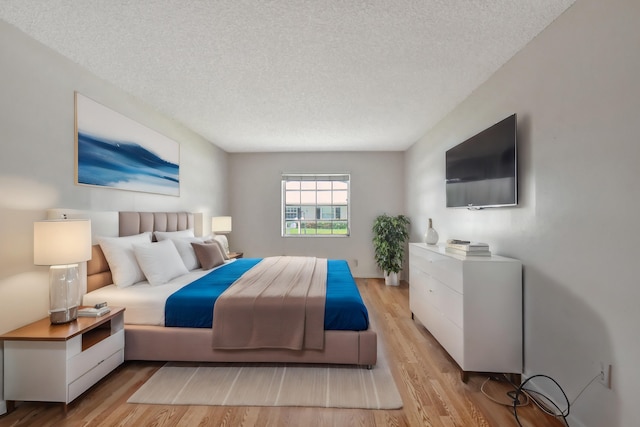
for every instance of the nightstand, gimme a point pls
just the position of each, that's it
(234, 255)
(56, 363)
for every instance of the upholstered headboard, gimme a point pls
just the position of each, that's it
(98, 272)
(131, 223)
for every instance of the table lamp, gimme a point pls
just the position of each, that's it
(62, 244)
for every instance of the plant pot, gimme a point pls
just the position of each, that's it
(391, 279)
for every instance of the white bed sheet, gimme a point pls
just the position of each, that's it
(144, 303)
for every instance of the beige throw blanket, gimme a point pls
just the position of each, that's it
(279, 303)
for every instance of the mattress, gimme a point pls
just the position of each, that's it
(145, 304)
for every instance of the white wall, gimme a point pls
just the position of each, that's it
(377, 187)
(37, 165)
(576, 91)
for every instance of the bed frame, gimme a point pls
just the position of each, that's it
(194, 344)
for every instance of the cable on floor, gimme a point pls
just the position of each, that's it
(542, 401)
(521, 389)
(510, 394)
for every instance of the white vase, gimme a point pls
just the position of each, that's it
(391, 279)
(431, 236)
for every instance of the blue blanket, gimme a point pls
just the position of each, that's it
(192, 306)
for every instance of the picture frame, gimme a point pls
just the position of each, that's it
(114, 151)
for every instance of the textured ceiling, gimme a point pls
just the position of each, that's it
(306, 75)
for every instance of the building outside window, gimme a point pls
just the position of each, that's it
(315, 205)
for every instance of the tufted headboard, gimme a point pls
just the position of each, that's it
(131, 223)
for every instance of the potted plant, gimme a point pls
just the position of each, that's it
(389, 236)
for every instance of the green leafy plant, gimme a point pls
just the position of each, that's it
(389, 236)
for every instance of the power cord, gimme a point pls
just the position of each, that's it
(511, 395)
(539, 399)
(585, 387)
(521, 389)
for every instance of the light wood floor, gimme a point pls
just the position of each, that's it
(428, 380)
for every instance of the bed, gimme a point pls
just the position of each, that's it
(148, 338)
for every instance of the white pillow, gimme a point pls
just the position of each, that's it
(223, 241)
(164, 235)
(225, 251)
(159, 261)
(118, 251)
(186, 251)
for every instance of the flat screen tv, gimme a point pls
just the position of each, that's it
(481, 172)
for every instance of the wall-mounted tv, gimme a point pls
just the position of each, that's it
(482, 171)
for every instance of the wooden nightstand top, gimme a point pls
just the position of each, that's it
(43, 330)
(234, 255)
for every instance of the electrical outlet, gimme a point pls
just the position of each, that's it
(605, 374)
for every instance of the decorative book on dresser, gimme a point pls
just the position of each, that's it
(472, 305)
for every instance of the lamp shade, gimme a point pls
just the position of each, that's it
(65, 241)
(221, 224)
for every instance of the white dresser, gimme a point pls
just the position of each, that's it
(471, 305)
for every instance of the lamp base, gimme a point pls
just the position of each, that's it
(64, 293)
(64, 316)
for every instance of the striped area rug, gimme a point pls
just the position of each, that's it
(272, 385)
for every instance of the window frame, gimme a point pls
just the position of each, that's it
(316, 207)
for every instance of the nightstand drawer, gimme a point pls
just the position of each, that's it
(80, 385)
(85, 361)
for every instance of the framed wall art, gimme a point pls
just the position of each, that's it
(117, 152)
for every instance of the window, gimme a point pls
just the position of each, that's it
(315, 205)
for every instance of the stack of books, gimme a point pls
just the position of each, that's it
(467, 248)
(93, 311)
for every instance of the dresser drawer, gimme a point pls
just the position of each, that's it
(441, 267)
(451, 338)
(83, 362)
(418, 257)
(448, 334)
(447, 270)
(421, 307)
(446, 300)
(419, 264)
(418, 278)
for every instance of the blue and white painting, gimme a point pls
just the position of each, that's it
(115, 151)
